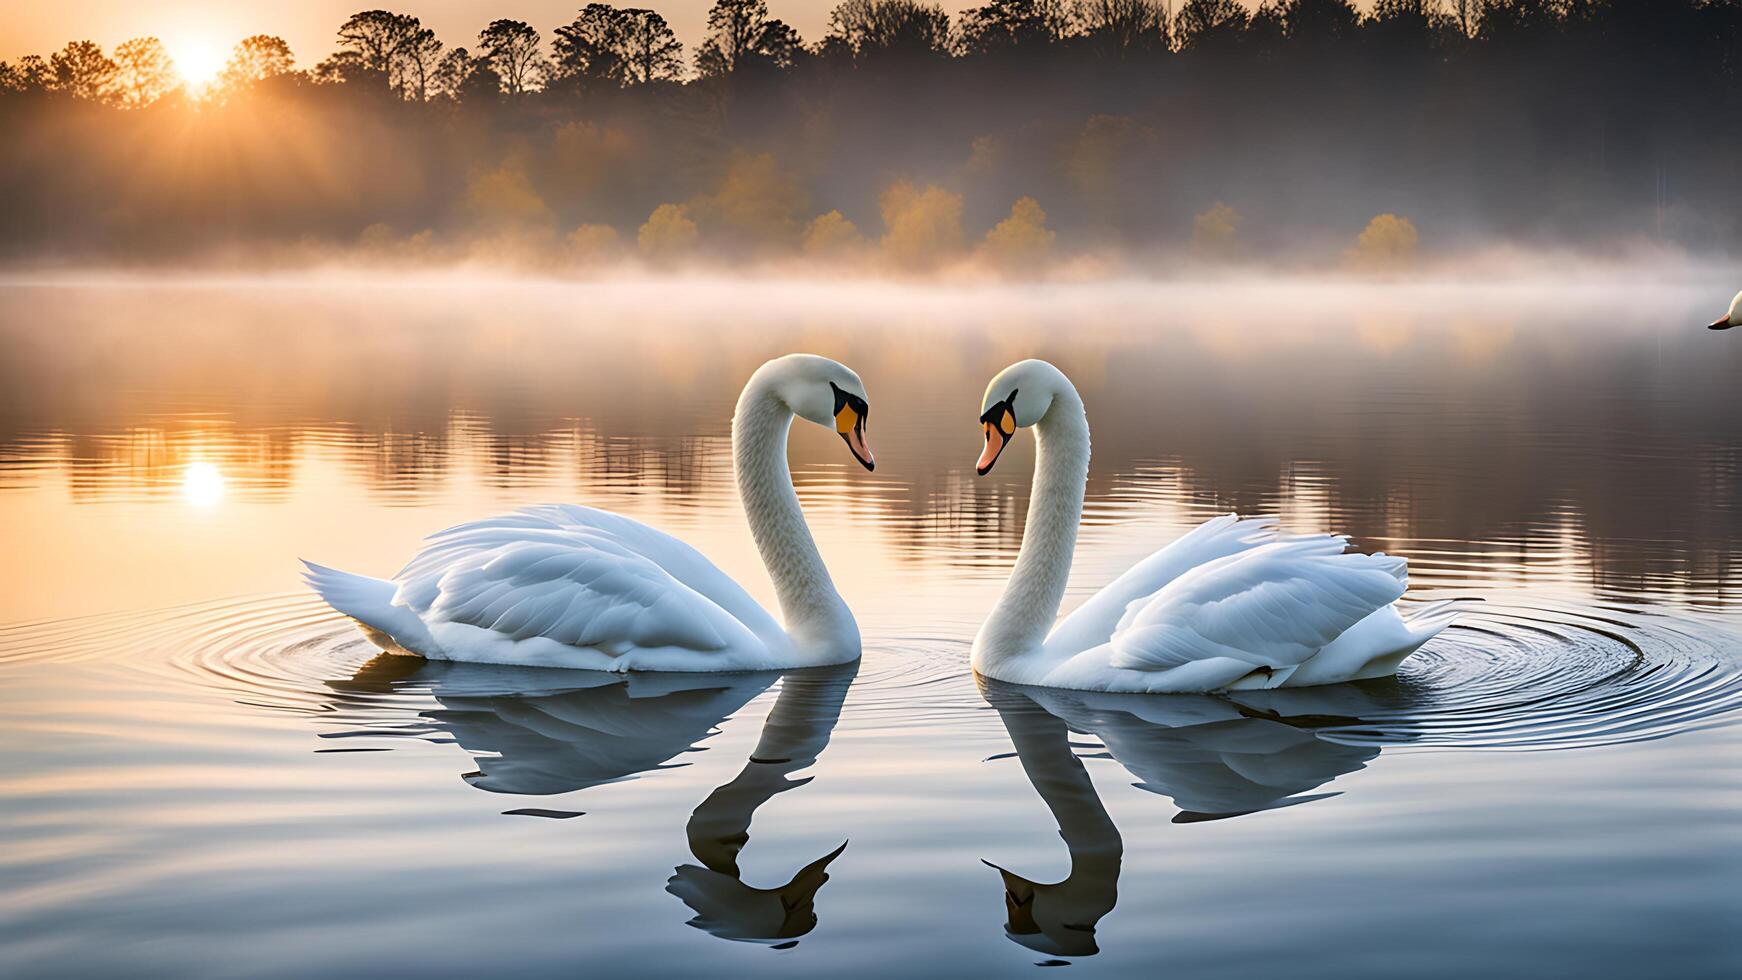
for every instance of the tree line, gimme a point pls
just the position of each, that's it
(1090, 124)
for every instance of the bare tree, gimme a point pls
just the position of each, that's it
(511, 47)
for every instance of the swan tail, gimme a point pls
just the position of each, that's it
(1427, 622)
(369, 601)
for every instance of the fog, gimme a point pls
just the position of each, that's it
(1022, 140)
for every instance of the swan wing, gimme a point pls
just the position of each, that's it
(1093, 623)
(581, 577)
(1271, 606)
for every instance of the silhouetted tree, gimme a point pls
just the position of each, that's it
(453, 72)
(347, 68)
(616, 46)
(890, 27)
(1317, 21)
(741, 32)
(144, 72)
(1125, 28)
(589, 49)
(1205, 22)
(83, 71)
(416, 63)
(396, 47)
(255, 59)
(30, 74)
(1521, 20)
(1468, 14)
(376, 36)
(1565, 120)
(511, 48)
(651, 51)
(1011, 25)
(1407, 28)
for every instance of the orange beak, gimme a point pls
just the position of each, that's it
(851, 427)
(995, 442)
(998, 435)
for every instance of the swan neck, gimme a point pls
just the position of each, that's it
(1025, 613)
(815, 616)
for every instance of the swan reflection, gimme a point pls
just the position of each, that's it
(539, 732)
(1213, 757)
(795, 733)
(534, 731)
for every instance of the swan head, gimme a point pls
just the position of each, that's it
(1733, 318)
(1018, 397)
(1057, 919)
(826, 393)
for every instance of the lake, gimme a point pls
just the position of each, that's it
(208, 773)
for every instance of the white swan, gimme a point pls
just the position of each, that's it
(1731, 319)
(566, 586)
(1233, 604)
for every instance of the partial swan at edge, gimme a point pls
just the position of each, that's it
(1730, 319)
(568, 586)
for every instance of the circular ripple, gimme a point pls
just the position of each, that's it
(1539, 676)
(273, 651)
(1510, 676)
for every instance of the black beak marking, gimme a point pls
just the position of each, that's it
(861, 416)
(994, 417)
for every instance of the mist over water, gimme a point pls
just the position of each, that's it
(1015, 137)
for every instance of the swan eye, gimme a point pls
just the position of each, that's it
(850, 410)
(1003, 415)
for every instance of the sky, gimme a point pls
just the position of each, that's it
(207, 26)
(203, 30)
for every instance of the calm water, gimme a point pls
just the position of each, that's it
(207, 774)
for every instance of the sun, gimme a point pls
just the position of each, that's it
(198, 60)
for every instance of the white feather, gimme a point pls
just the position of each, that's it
(1234, 604)
(1274, 606)
(566, 586)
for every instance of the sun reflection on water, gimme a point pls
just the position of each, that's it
(202, 484)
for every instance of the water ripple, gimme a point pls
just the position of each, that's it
(1542, 675)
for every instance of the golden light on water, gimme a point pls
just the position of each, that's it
(202, 484)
